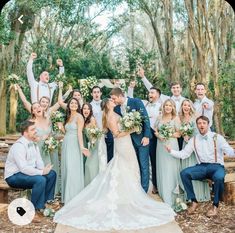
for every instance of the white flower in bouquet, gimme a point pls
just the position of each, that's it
(56, 117)
(179, 205)
(13, 78)
(50, 144)
(93, 134)
(187, 129)
(166, 131)
(131, 121)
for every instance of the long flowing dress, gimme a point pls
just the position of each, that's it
(115, 200)
(201, 188)
(92, 164)
(168, 167)
(52, 158)
(72, 168)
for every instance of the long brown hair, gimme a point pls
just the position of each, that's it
(32, 114)
(68, 111)
(104, 108)
(88, 119)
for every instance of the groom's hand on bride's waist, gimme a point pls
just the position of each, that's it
(145, 141)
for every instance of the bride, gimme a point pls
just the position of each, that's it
(115, 200)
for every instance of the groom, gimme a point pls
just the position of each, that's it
(140, 141)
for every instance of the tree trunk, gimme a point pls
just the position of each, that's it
(3, 104)
(13, 109)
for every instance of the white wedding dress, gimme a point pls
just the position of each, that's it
(115, 200)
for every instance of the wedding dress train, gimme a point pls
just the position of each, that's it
(115, 200)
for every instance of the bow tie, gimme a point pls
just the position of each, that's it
(177, 99)
(32, 144)
(205, 137)
(152, 104)
(198, 101)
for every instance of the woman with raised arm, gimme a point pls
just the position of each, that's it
(115, 199)
(188, 118)
(72, 168)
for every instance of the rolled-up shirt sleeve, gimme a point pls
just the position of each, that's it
(186, 152)
(19, 155)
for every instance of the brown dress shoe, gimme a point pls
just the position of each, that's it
(37, 218)
(212, 212)
(192, 208)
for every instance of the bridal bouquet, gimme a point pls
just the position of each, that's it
(131, 121)
(13, 78)
(179, 205)
(166, 131)
(187, 129)
(93, 134)
(56, 117)
(50, 145)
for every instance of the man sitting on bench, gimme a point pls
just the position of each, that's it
(25, 169)
(209, 148)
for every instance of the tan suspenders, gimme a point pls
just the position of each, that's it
(38, 92)
(215, 148)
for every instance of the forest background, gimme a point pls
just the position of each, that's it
(188, 41)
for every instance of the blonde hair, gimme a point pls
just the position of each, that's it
(192, 109)
(173, 113)
(104, 108)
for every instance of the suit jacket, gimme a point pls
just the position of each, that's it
(137, 104)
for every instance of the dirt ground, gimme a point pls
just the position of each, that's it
(197, 223)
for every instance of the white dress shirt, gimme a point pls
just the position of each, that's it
(97, 112)
(40, 89)
(205, 151)
(23, 157)
(178, 101)
(153, 110)
(205, 112)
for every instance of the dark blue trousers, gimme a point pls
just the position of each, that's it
(43, 187)
(110, 145)
(212, 171)
(152, 153)
(180, 142)
(142, 153)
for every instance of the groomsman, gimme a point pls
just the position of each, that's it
(153, 107)
(43, 87)
(209, 148)
(202, 104)
(97, 112)
(176, 91)
(25, 169)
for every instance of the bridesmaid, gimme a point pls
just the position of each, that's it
(43, 129)
(168, 167)
(72, 171)
(188, 115)
(92, 162)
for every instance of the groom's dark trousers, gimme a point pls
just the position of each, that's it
(142, 152)
(109, 145)
(213, 171)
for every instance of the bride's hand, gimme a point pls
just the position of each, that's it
(86, 152)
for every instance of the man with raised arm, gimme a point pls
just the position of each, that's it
(43, 87)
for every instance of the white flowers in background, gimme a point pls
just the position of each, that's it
(187, 129)
(131, 121)
(87, 84)
(93, 134)
(56, 117)
(50, 144)
(13, 78)
(166, 131)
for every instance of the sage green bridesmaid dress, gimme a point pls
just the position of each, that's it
(168, 167)
(72, 168)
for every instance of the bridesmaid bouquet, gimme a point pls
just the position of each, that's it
(93, 134)
(131, 121)
(187, 129)
(179, 205)
(166, 131)
(13, 78)
(56, 117)
(50, 145)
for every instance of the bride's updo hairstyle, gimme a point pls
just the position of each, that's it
(105, 109)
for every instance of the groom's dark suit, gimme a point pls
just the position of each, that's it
(142, 152)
